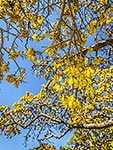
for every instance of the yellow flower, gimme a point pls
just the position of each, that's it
(53, 24)
(93, 27)
(90, 49)
(71, 99)
(40, 19)
(86, 61)
(1, 76)
(14, 55)
(50, 50)
(10, 78)
(31, 54)
(71, 81)
(5, 68)
(35, 37)
(103, 2)
(84, 37)
(57, 78)
(33, 1)
(57, 87)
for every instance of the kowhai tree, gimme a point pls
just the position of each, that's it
(75, 59)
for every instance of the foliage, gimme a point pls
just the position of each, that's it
(51, 147)
(76, 59)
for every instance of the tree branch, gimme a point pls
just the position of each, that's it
(99, 45)
(102, 44)
(95, 126)
(58, 121)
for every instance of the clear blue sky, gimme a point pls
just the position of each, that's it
(8, 95)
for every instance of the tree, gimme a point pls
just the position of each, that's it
(76, 62)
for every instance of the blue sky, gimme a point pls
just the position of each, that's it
(9, 94)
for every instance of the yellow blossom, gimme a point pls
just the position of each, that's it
(31, 54)
(35, 37)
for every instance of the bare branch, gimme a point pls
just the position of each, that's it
(56, 136)
(100, 45)
(39, 116)
(94, 126)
